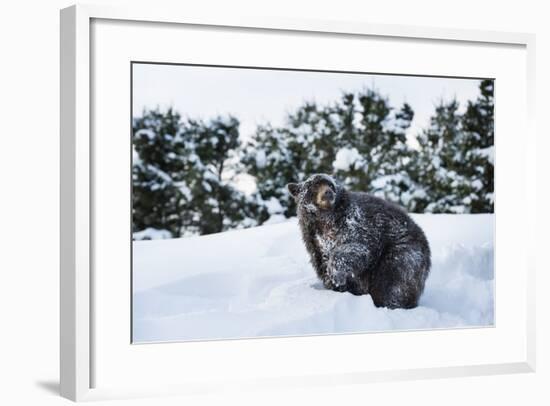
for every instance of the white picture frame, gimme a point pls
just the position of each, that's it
(78, 351)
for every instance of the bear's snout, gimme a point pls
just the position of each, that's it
(325, 197)
(328, 195)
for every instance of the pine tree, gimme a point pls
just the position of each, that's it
(478, 126)
(277, 156)
(438, 165)
(156, 199)
(373, 150)
(453, 167)
(184, 171)
(216, 204)
(360, 138)
(178, 175)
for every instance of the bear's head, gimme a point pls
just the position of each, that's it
(317, 193)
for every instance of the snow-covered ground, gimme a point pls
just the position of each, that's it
(258, 282)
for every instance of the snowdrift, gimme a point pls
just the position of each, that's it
(258, 282)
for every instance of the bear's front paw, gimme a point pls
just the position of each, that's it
(339, 280)
(336, 278)
(329, 283)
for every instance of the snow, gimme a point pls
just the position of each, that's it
(145, 132)
(261, 159)
(477, 184)
(489, 153)
(185, 190)
(135, 156)
(258, 282)
(345, 158)
(164, 177)
(211, 176)
(383, 181)
(275, 219)
(273, 206)
(152, 234)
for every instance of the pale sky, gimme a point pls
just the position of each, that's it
(257, 96)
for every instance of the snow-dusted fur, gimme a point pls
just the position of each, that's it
(362, 244)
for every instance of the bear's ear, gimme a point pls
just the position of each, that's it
(293, 189)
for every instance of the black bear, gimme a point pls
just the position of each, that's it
(362, 244)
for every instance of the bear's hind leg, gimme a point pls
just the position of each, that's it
(399, 278)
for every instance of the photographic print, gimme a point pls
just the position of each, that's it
(283, 202)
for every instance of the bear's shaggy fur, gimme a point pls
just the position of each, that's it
(361, 244)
